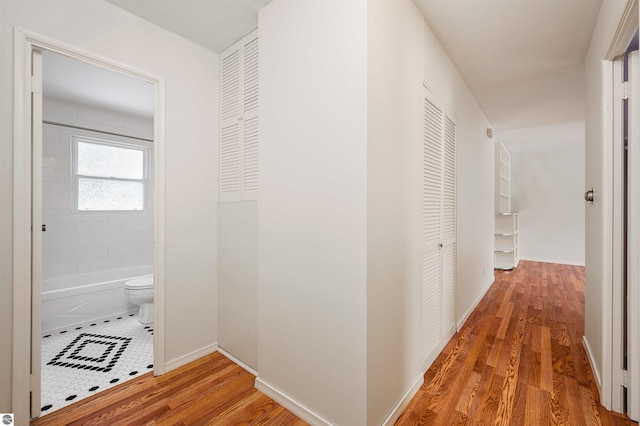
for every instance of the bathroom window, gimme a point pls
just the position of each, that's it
(110, 176)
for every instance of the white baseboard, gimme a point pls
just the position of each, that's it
(561, 262)
(596, 373)
(237, 361)
(466, 315)
(404, 401)
(290, 404)
(192, 356)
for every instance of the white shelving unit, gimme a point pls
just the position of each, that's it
(503, 179)
(506, 241)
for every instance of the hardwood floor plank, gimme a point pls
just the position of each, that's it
(470, 389)
(546, 361)
(537, 407)
(506, 319)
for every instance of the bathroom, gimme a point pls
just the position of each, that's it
(97, 240)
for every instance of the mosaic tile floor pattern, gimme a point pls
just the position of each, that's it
(81, 360)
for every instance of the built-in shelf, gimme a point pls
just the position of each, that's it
(502, 179)
(506, 241)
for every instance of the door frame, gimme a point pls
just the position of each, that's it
(633, 238)
(612, 195)
(24, 43)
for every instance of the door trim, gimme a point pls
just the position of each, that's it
(24, 42)
(611, 204)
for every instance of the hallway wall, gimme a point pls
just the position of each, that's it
(312, 230)
(238, 280)
(547, 186)
(394, 199)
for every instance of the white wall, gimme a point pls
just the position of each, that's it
(190, 74)
(475, 178)
(547, 191)
(394, 176)
(238, 280)
(597, 176)
(547, 186)
(312, 220)
(80, 244)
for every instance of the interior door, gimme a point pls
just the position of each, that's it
(37, 227)
(633, 241)
(431, 239)
(438, 229)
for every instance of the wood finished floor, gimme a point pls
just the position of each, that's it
(210, 391)
(518, 360)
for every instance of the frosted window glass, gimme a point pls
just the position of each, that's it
(110, 161)
(103, 194)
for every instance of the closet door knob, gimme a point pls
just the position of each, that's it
(588, 196)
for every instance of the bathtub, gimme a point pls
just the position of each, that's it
(87, 297)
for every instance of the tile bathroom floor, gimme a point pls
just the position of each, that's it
(81, 360)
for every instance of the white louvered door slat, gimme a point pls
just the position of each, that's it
(431, 212)
(250, 136)
(449, 228)
(230, 108)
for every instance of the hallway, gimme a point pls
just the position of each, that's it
(518, 360)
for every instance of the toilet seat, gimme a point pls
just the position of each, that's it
(142, 283)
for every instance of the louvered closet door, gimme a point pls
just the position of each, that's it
(448, 229)
(250, 120)
(230, 115)
(438, 230)
(431, 218)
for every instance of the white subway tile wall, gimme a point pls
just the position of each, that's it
(87, 243)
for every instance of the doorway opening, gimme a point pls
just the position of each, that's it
(88, 189)
(97, 229)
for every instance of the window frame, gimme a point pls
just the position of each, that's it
(144, 147)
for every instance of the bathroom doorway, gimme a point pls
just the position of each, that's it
(92, 185)
(97, 229)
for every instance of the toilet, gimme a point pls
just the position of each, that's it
(139, 291)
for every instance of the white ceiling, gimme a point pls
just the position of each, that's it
(522, 59)
(78, 82)
(214, 24)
